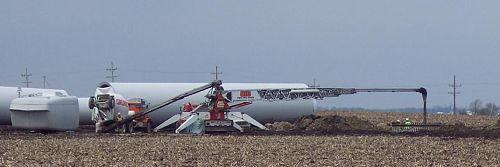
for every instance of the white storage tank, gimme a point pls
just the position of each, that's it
(7, 94)
(262, 111)
(52, 113)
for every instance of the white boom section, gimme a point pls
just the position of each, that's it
(312, 93)
(303, 93)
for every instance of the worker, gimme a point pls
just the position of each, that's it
(408, 122)
(398, 121)
(407, 125)
(188, 107)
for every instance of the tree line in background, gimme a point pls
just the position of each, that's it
(476, 107)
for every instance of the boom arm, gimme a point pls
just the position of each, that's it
(421, 90)
(312, 93)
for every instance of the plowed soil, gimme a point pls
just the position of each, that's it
(336, 145)
(243, 150)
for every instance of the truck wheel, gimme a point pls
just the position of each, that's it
(149, 129)
(98, 128)
(121, 129)
(130, 128)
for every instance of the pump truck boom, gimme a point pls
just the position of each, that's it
(318, 93)
(112, 112)
(194, 121)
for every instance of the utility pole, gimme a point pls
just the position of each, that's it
(454, 93)
(26, 76)
(216, 73)
(44, 81)
(112, 70)
(314, 84)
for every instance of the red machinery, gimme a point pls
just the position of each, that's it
(215, 117)
(144, 122)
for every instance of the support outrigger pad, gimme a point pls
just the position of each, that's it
(168, 122)
(193, 118)
(242, 117)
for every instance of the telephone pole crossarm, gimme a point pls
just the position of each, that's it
(112, 70)
(26, 76)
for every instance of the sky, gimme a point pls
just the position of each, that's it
(351, 43)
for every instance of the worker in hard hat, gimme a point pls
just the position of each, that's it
(408, 122)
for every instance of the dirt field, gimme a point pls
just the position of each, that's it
(186, 150)
(269, 148)
(378, 118)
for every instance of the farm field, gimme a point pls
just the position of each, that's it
(382, 118)
(270, 148)
(244, 150)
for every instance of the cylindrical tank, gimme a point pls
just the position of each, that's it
(85, 112)
(7, 94)
(262, 111)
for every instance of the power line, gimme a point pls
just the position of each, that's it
(112, 70)
(454, 93)
(26, 76)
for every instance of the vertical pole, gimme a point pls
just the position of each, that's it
(454, 95)
(423, 91)
(44, 80)
(112, 70)
(425, 109)
(26, 76)
(314, 85)
(216, 73)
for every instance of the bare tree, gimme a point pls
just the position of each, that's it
(475, 106)
(491, 109)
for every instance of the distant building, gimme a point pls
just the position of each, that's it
(468, 112)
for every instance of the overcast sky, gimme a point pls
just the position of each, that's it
(362, 44)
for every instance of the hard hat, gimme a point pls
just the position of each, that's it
(407, 119)
(398, 120)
